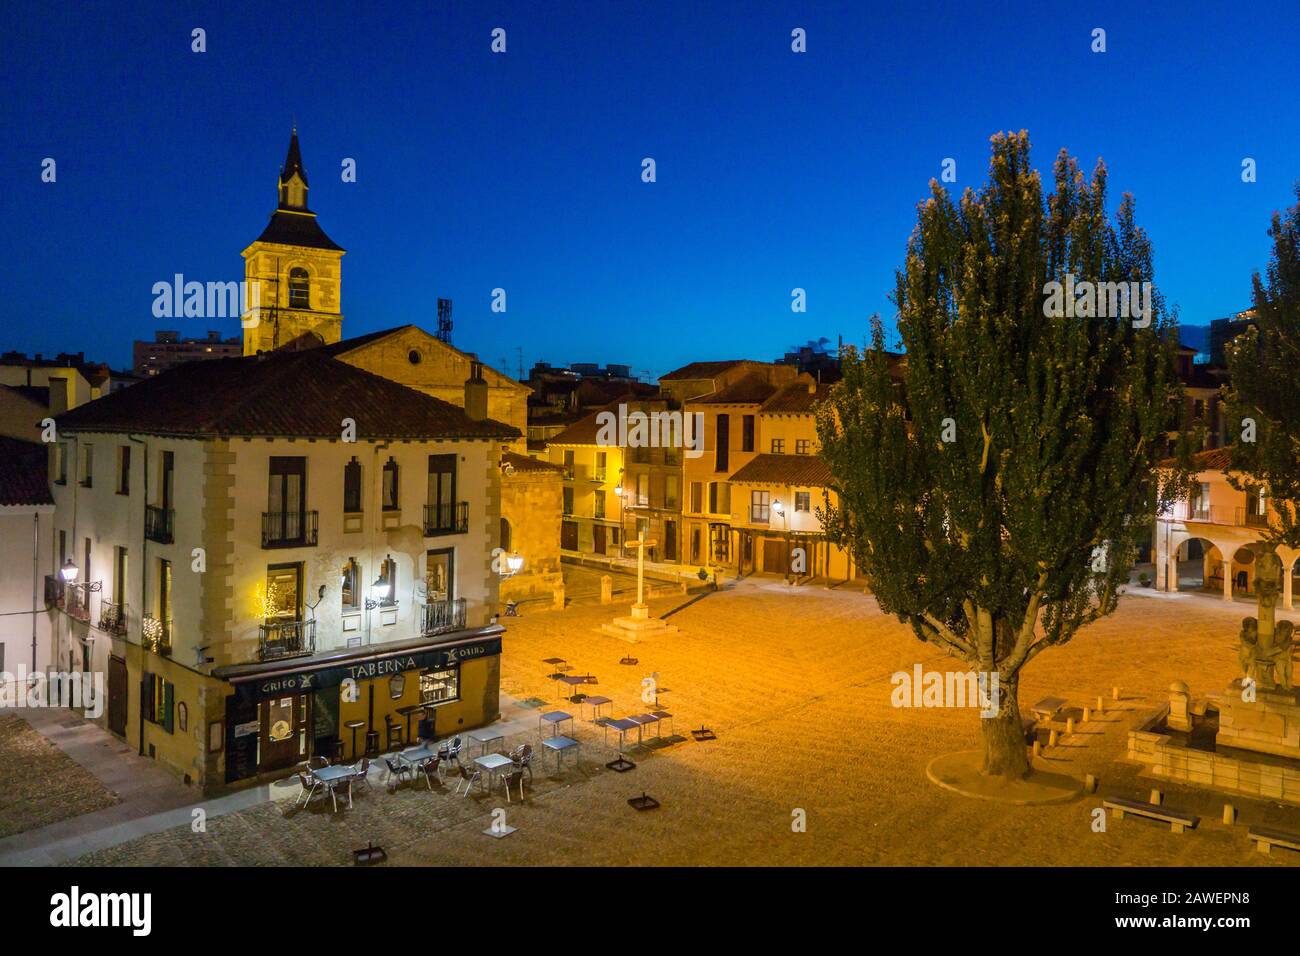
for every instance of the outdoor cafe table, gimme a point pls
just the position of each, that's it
(622, 725)
(485, 736)
(558, 745)
(575, 682)
(417, 755)
(334, 773)
(554, 718)
(493, 764)
(642, 721)
(596, 703)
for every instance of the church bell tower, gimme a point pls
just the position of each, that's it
(293, 271)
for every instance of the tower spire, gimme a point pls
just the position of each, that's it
(293, 177)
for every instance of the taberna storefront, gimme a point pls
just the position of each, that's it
(346, 703)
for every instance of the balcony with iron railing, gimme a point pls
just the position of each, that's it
(158, 523)
(447, 518)
(76, 599)
(1226, 515)
(289, 529)
(280, 639)
(112, 617)
(439, 617)
(156, 634)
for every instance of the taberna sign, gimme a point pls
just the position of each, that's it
(252, 687)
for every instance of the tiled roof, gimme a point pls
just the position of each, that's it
(525, 464)
(282, 394)
(347, 345)
(22, 473)
(292, 228)
(805, 471)
(698, 370)
(795, 398)
(33, 393)
(750, 390)
(585, 430)
(1213, 459)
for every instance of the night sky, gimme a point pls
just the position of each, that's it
(523, 170)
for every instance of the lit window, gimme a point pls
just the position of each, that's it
(438, 687)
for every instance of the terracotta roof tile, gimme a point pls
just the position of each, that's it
(23, 473)
(806, 471)
(290, 394)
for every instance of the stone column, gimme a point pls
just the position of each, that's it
(1227, 576)
(1287, 588)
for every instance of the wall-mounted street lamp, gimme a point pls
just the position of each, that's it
(378, 593)
(69, 571)
(778, 508)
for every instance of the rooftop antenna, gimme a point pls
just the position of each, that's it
(444, 321)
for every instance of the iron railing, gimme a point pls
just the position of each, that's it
(158, 523)
(289, 529)
(439, 617)
(448, 518)
(112, 617)
(286, 639)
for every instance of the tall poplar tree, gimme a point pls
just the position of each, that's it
(1264, 384)
(993, 485)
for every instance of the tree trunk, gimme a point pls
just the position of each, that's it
(1005, 754)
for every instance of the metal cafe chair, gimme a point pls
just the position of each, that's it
(397, 770)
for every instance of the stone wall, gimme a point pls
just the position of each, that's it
(531, 502)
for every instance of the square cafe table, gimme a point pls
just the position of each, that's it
(596, 703)
(554, 718)
(486, 736)
(558, 745)
(417, 755)
(574, 683)
(335, 773)
(642, 721)
(492, 764)
(622, 725)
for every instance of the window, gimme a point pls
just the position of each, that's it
(598, 505)
(442, 493)
(1256, 506)
(719, 498)
(505, 532)
(390, 486)
(642, 490)
(159, 698)
(286, 500)
(747, 433)
(85, 568)
(352, 487)
(778, 446)
(438, 687)
(672, 457)
(759, 507)
(283, 596)
(802, 501)
(124, 470)
(1199, 505)
(119, 578)
(721, 448)
(568, 501)
(87, 465)
(670, 492)
(568, 463)
(388, 574)
(61, 463)
(351, 588)
(601, 458)
(721, 541)
(801, 446)
(697, 497)
(299, 286)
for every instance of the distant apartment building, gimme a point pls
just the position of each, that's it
(260, 551)
(1210, 541)
(169, 349)
(26, 558)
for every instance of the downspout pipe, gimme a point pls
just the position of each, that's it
(144, 578)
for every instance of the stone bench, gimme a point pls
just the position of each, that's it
(1178, 820)
(1266, 839)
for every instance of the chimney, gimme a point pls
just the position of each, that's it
(476, 393)
(58, 395)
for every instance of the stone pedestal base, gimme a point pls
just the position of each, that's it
(640, 612)
(1269, 724)
(633, 629)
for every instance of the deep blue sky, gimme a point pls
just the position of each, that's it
(476, 170)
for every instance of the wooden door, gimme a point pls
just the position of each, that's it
(569, 535)
(117, 703)
(775, 558)
(598, 539)
(283, 731)
(670, 540)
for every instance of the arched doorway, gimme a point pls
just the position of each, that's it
(1200, 566)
